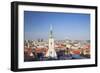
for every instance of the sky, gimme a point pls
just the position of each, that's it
(73, 26)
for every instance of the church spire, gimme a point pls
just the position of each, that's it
(51, 32)
(51, 53)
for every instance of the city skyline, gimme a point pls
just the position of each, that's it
(73, 26)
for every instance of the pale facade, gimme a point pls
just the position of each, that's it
(51, 51)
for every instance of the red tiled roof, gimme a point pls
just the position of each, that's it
(86, 47)
(76, 51)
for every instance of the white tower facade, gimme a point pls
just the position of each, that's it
(51, 51)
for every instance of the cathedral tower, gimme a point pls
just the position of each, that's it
(51, 51)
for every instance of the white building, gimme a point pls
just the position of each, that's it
(51, 51)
